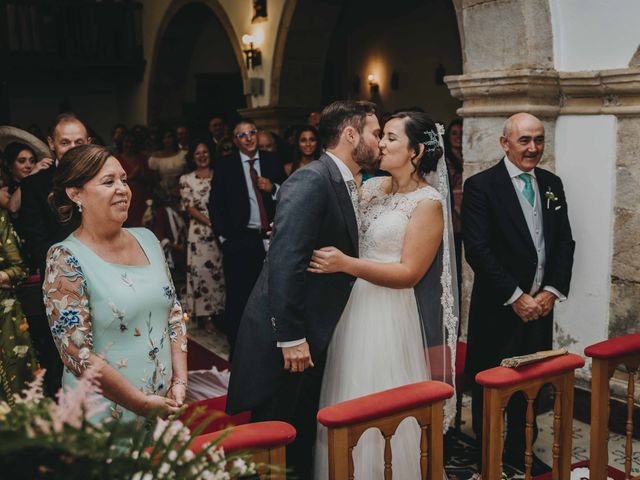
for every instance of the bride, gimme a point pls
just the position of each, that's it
(400, 323)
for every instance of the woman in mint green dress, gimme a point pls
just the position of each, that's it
(109, 297)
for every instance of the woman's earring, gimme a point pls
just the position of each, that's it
(79, 206)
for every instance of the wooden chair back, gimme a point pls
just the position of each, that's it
(347, 421)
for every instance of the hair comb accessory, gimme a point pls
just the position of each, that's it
(432, 141)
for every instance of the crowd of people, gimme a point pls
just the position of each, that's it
(130, 238)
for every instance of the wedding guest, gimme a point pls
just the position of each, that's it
(182, 135)
(17, 356)
(205, 281)
(20, 161)
(241, 207)
(110, 301)
(455, 167)
(43, 230)
(306, 149)
(224, 148)
(518, 242)
(218, 129)
(267, 141)
(141, 179)
(169, 162)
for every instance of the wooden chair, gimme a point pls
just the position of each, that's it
(607, 356)
(264, 441)
(500, 384)
(347, 421)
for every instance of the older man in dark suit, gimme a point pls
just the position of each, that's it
(241, 207)
(518, 242)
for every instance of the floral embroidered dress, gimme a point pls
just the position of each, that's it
(17, 357)
(127, 314)
(205, 281)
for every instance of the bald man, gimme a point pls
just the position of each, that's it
(518, 242)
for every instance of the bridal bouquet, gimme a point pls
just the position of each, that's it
(44, 439)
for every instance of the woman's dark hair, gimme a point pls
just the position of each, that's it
(297, 155)
(77, 166)
(453, 159)
(160, 138)
(420, 129)
(341, 114)
(189, 157)
(11, 153)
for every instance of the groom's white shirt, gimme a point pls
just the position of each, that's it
(346, 176)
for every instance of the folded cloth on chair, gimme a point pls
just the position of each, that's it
(515, 362)
(204, 384)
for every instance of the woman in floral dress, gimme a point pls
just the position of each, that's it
(110, 301)
(17, 358)
(205, 281)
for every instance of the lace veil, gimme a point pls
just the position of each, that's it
(437, 295)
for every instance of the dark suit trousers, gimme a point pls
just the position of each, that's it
(296, 402)
(243, 258)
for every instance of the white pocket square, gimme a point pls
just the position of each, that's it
(558, 207)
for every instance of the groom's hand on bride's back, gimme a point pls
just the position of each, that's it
(297, 359)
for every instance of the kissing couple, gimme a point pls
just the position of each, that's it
(358, 291)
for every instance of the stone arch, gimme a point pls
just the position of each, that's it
(210, 9)
(303, 40)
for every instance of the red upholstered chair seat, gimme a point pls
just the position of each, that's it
(616, 347)
(251, 436)
(500, 377)
(384, 403)
(215, 407)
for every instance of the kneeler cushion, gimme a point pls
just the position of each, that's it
(251, 436)
(499, 377)
(384, 403)
(615, 347)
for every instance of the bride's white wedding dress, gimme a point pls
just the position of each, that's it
(378, 342)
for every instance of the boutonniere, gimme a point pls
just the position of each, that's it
(550, 196)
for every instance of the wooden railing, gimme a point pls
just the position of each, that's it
(500, 384)
(607, 356)
(347, 421)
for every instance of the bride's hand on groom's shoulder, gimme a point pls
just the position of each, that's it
(297, 359)
(328, 260)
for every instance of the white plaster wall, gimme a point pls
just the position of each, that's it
(585, 160)
(594, 34)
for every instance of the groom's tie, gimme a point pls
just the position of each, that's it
(353, 193)
(527, 191)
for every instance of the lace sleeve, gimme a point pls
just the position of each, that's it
(371, 189)
(67, 304)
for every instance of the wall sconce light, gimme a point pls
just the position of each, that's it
(373, 85)
(253, 55)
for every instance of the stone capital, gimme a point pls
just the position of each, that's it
(548, 93)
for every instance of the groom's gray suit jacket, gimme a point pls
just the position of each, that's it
(288, 303)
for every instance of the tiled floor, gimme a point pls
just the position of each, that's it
(217, 343)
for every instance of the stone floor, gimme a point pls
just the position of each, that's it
(217, 343)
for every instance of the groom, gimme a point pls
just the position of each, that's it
(290, 317)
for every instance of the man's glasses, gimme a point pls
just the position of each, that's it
(248, 133)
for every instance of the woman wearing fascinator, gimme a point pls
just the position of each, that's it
(400, 323)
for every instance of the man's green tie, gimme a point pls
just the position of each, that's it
(527, 191)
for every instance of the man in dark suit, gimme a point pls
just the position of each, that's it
(291, 315)
(241, 207)
(518, 242)
(41, 230)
